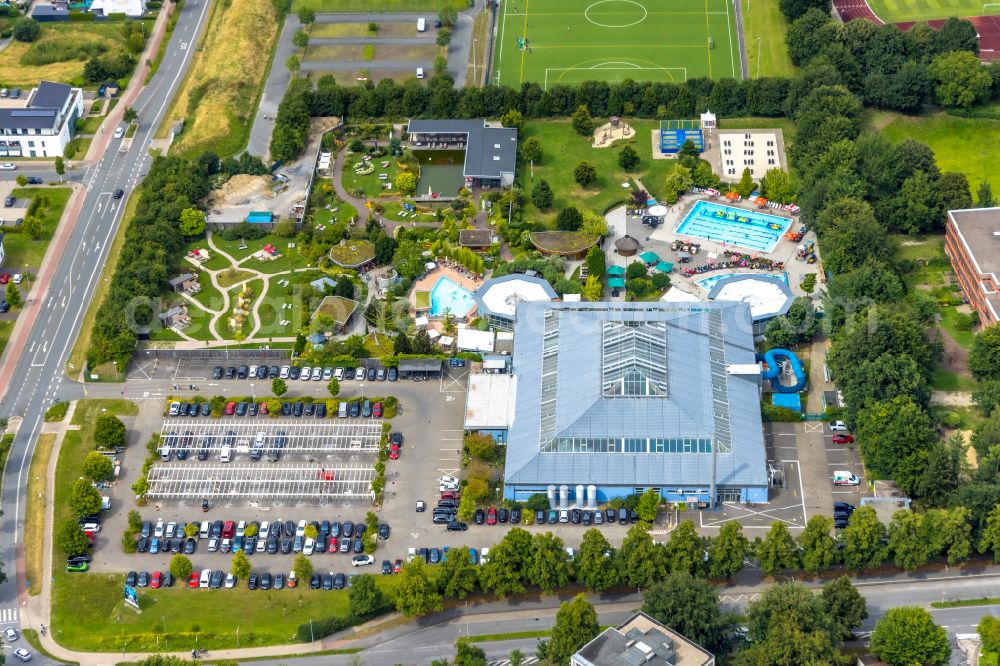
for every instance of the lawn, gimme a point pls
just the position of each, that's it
(614, 40)
(378, 345)
(563, 148)
(896, 11)
(209, 296)
(60, 53)
(231, 276)
(220, 93)
(763, 20)
(368, 6)
(334, 30)
(370, 184)
(19, 248)
(967, 145)
(950, 381)
(333, 53)
(271, 311)
(5, 329)
(216, 261)
(232, 247)
(35, 513)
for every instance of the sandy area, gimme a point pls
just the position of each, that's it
(240, 188)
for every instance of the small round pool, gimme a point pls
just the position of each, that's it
(449, 296)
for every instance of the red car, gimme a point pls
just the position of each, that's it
(397, 567)
(230, 409)
(263, 407)
(451, 494)
(157, 580)
(843, 439)
(377, 410)
(194, 580)
(228, 529)
(334, 545)
(5, 278)
(393, 451)
(491, 516)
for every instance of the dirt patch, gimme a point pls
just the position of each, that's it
(607, 134)
(955, 357)
(240, 189)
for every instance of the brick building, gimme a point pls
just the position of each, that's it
(972, 242)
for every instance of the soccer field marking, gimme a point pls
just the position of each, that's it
(708, 48)
(729, 28)
(621, 66)
(524, 34)
(645, 14)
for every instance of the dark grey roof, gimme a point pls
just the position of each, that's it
(491, 152)
(180, 279)
(649, 644)
(50, 10)
(420, 365)
(696, 397)
(475, 237)
(51, 95)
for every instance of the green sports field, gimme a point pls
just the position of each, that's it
(570, 41)
(898, 11)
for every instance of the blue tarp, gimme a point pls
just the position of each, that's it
(789, 400)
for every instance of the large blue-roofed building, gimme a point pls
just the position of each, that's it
(630, 396)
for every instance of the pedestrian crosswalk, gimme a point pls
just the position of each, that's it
(526, 661)
(8, 615)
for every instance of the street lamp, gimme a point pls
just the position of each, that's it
(475, 70)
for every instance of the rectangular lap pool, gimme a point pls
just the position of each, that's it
(733, 226)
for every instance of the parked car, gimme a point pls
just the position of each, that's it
(843, 438)
(479, 517)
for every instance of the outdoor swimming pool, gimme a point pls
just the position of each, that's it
(448, 296)
(734, 226)
(709, 282)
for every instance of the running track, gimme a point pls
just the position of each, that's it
(988, 27)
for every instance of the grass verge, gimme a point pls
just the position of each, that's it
(220, 93)
(514, 635)
(5, 329)
(32, 637)
(57, 412)
(764, 21)
(21, 250)
(35, 513)
(962, 603)
(78, 355)
(367, 6)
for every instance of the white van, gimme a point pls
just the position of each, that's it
(342, 411)
(206, 528)
(206, 576)
(165, 453)
(420, 72)
(421, 24)
(226, 454)
(845, 478)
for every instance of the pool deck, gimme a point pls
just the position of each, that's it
(660, 240)
(456, 274)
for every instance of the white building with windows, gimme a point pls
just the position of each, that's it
(759, 150)
(42, 123)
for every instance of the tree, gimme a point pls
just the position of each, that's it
(677, 181)
(642, 561)
(443, 37)
(516, 657)
(311, 532)
(584, 173)
(506, 570)
(787, 644)
(778, 185)
(908, 635)
(302, 568)
(70, 539)
(181, 567)
(109, 431)
(191, 530)
(60, 167)
(548, 565)
(21, 181)
(582, 123)
(468, 653)
(32, 227)
(951, 533)
(480, 446)
(691, 607)
(448, 17)
(569, 219)
(26, 29)
(333, 386)
(300, 39)
(984, 196)
(636, 270)
(685, 551)
(130, 115)
(891, 431)
(788, 603)
(793, 9)
(863, 547)
(365, 598)
(306, 16)
(852, 236)
(746, 185)
(98, 467)
(531, 149)
(13, 295)
(406, 182)
(817, 549)
(953, 191)
(989, 537)
(960, 79)
(593, 224)
(956, 35)
(513, 118)
(595, 563)
(192, 222)
(293, 63)
(844, 605)
(458, 578)
(628, 158)
(84, 499)
(727, 551)
(576, 625)
(648, 504)
(541, 194)
(984, 357)
(416, 594)
(279, 386)
(240, 565)
(909, 541)
(777, 551)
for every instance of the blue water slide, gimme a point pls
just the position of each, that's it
(772, 358)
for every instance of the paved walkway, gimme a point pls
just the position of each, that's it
(335, 177)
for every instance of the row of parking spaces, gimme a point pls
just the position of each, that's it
(254, 482)
(292, 436)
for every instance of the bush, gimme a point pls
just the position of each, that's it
(26, 30)
(774, 414)
(57, 412)
(584, 173)
(322, 627)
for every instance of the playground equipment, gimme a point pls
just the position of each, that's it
(775, 368)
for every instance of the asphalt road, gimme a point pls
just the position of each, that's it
(278, 78)
(38, 377)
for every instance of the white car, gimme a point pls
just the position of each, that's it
(170, 531)
(253, 372)
(411, 553)
(9, 166)
(241, 528)
(206, 577)
(263, 531)
(10, 633)
(447, 486)
(285, 370)
(309, 547)
(484, 556)
(22, 654)
(837, 425)
(230, 581)
(306, 371)
(300, 530)
(17, 278)
(451, 480)
(362, 560)
(158, 530)
(120, 132)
